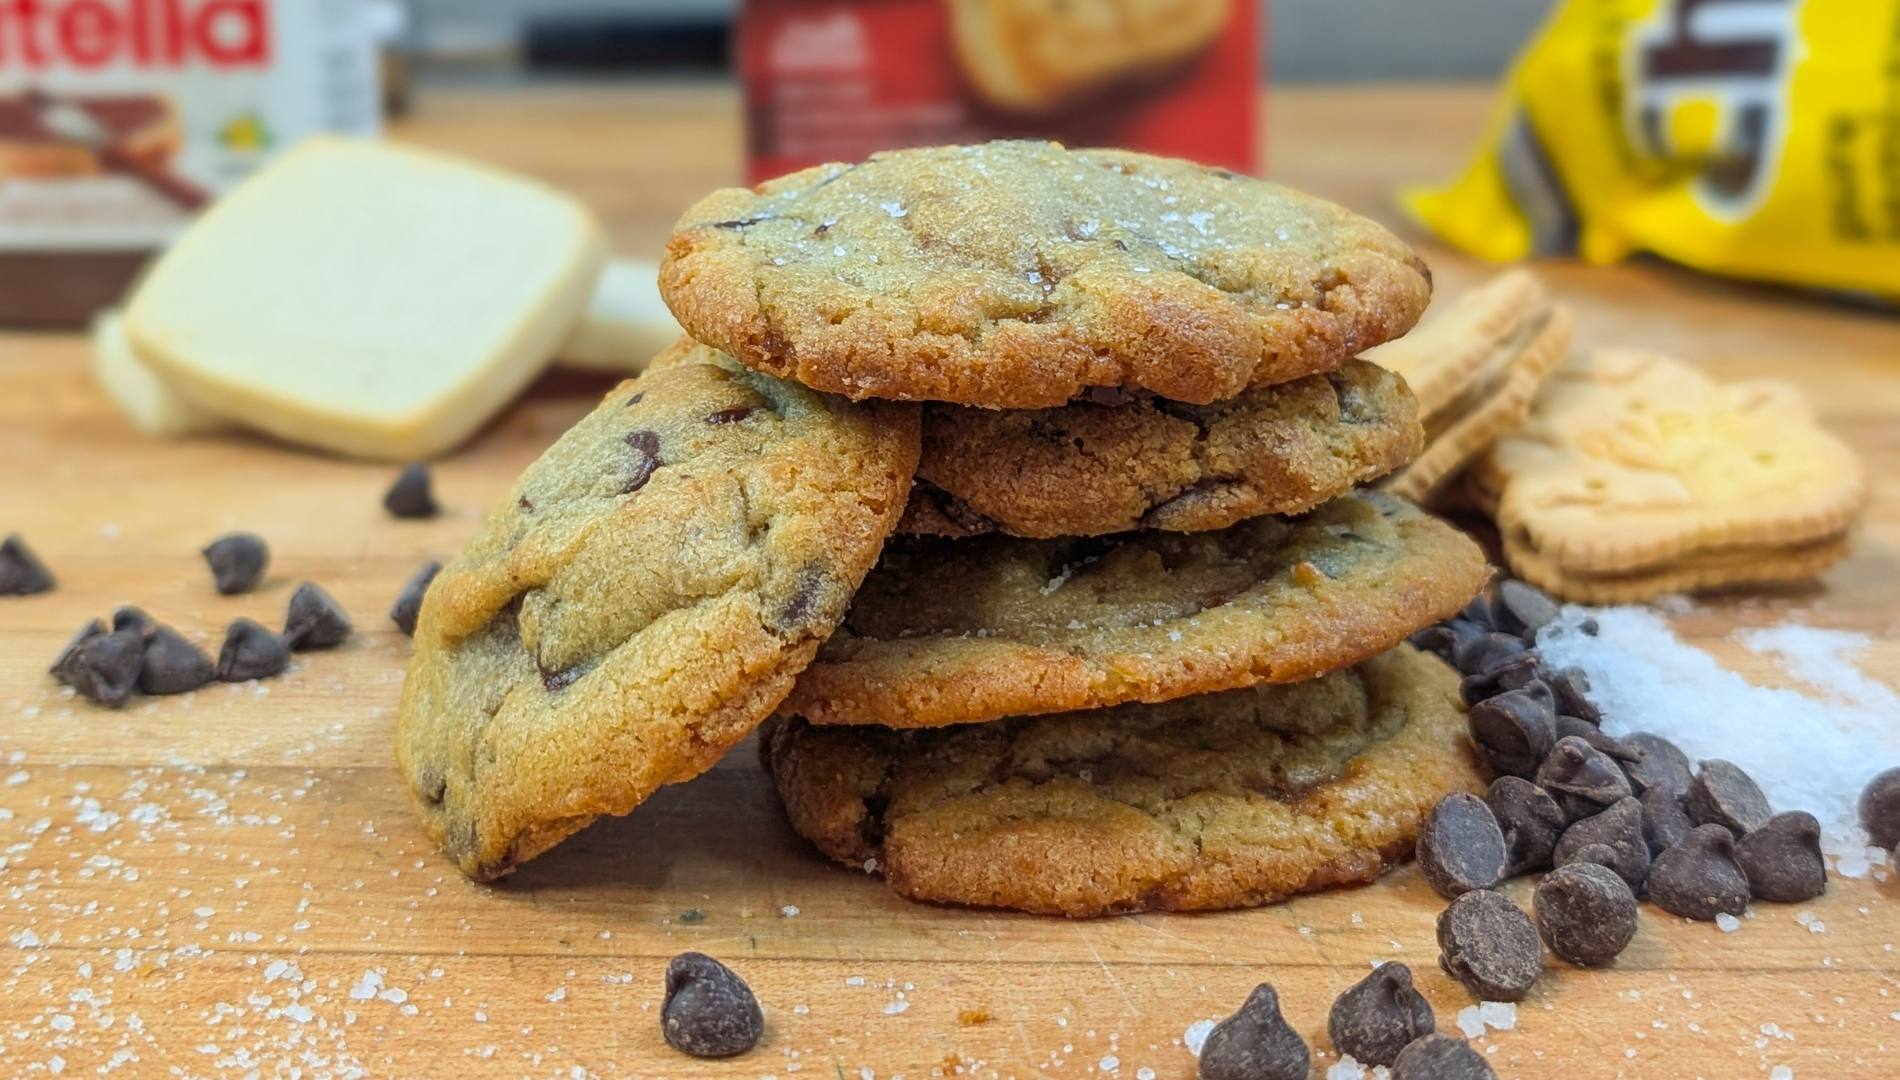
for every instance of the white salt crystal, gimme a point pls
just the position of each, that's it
(1501, 1015)
(1853, 864)
(788, 910)
(1807, 753)
(1727, 923)
(367, 987)
(1195, 1036)
(854, 980)
(1781, 1072)
(1109, 1063)
(1144, 1073)
(1470, 1022)
(896, 1007)
(1346, 1069)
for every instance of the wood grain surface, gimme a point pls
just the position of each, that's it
(230, 883)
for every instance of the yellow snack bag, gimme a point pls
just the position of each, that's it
(1754, 138)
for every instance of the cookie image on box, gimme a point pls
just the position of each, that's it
(1038, 56)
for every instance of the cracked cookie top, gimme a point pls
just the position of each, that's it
(642, 597)
(1221, 800)
(1086, 469)
(1021, 274)
(958, 631)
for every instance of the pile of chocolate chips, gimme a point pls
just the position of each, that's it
(1612, 820)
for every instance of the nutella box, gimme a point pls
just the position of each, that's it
(836, 80)
(119, 119)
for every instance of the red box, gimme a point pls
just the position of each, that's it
(837, 80)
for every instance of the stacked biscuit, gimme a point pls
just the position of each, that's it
(1078, 609)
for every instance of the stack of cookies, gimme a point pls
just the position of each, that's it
(1016, 490)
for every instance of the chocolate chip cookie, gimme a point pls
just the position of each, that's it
(642, 597)
(956, 631)
(1223, 800)
(1086, 469)
(1019, 274)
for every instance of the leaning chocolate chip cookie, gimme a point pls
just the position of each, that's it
(1222, 800)
(1019, 274)
(1085, 469)
(642, 597)
(956, 631)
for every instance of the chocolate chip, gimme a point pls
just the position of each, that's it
(1488, 652)
(1660, 764)
(1570, 726)
(1523, 609)
(709, 1011)
(646, 444)
(105, 667)
(134, 621)
(1572, 688)
(1620, 829)
(1530, 820)
(1460, 847)
(1110, 396)
(21, 572)
(1255, 1043)
(173, 665)
(251, 652)
(1488, 944)
(730, 416)
(1446, 638)
(1665, 822)
(411, 495)
(1782, 859)
(1586, 913)
(1515, 731)
(1480, 613)
(1598, 854)
(69, 655)
(1512, 673)
(1697, 878)
(1379, 1015)
(1581, 778)
(237, 561)
(408, 605)
(1880, 809)
(1441, 1057)
(1722, 794)
(315, 620)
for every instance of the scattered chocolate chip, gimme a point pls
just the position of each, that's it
(709, 1011)
(1599, 854)
(1523, 609)
(1379, 1015)
(1572, 687)
(408, 605)
(105, 667)
(1620, 829)
(1255, 1043)
(1665, 822)
(1586, 913)
(1488, 652)
(21, 572)
(1697, 878)
(1487, 943)
(1659, 764)
(237, 561)
(1480, 613)
(1782, 859)
(1722, 794)
(1568, 726)
(251, 652)
(1531, 822)
(1515, 731)
(730, 416)
(1512, 673)
(647, 445)
(1581, 778)
(315, 620)
(1441, 1057)
(1588, 627)
(412, 495)
(134, 621)
(1460, 847)
(1880, 809)
(1446, 638)
(68, 656)
(173, 665)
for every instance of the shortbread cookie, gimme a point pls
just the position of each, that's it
(1019, 274)
(153, 405)
(625, 324)
(1495, 402)
(1031, 56)
(639, 600)
(1217, 801)
(1449, 352)
(1700, 571)
(1086, 469)
(954, 631)
(1631, 461)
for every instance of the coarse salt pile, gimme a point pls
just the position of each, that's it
(1806, 753)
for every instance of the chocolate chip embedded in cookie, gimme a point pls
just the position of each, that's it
(950, 632)
(641, 599)
(1019, 274)
(1222, 800)
(1086, 469)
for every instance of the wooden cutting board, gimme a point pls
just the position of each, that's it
(230, 883)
